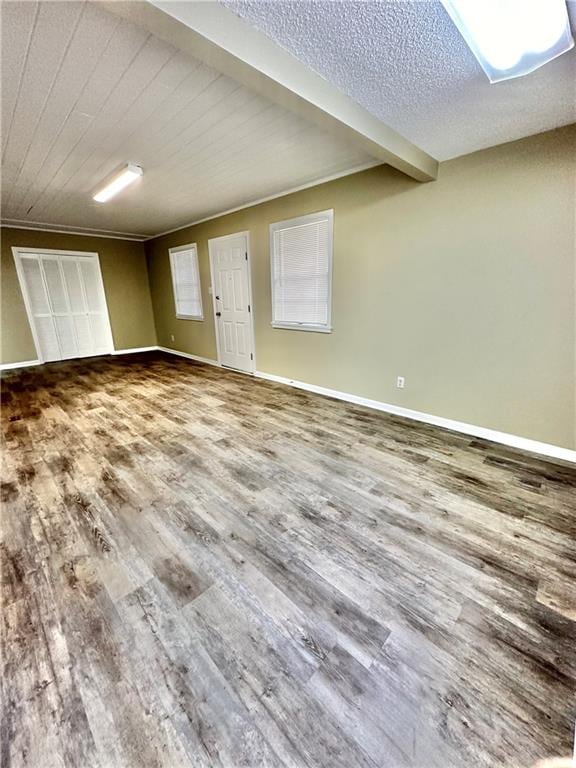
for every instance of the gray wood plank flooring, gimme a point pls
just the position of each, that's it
(202, 569)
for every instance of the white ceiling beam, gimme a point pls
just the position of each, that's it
(213, 34)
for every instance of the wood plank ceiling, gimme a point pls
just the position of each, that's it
(84, 92)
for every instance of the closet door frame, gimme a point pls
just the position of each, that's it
(18, 253)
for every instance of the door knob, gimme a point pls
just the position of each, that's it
(217, 298)
(218, 314)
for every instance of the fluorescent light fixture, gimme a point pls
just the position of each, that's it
(126, 176)
(511, 38)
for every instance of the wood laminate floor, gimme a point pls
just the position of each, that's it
(201, 569)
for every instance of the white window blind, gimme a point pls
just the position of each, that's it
(301, 265)
(186, 282)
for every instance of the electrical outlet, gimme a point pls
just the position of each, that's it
(400, 382)
(171, 337)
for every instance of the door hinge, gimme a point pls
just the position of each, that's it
(251, 356)
(249, 310)
(246, 254)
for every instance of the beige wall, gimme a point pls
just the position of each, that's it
(465, 286)
(124, 273)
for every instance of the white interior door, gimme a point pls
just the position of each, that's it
(231, 293)
(66, 304)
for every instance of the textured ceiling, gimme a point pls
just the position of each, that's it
(84, 92)
(405, 62)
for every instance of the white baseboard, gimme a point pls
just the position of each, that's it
(23, 364)
(504, 438)
(207, 360)
(134, 349)
(177, 352)
(28, 363)
(514, 441)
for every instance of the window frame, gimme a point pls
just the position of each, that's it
(309, 218)
(172, 253)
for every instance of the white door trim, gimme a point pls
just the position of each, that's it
(212, 240)
(17, 250)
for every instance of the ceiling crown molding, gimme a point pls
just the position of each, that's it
(63, 229)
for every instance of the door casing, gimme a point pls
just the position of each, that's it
(246, 235)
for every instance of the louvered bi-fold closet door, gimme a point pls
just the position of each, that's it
(39, 308)
(58, 297)
(96, 309)
(67, 305)
(78, 304)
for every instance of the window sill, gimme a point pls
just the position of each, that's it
(296, 327)
(190, 317)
